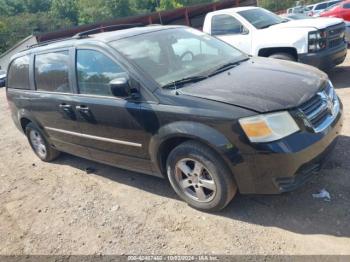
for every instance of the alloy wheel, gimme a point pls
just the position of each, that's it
(38, 143)
(195, 180)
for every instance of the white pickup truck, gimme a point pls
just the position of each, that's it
(319, 42)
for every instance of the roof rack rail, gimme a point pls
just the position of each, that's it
(83, 34)
(101, 29)
(48, 42)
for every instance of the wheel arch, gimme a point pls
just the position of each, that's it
(24, 121)
(171, 135)
(267, 51)
(24, 118)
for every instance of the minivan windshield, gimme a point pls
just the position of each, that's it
(178, 54)
(261, 18)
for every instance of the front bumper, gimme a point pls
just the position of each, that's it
(286, 164)
(347, 33)
(326, 59)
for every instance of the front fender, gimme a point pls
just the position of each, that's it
(287, 38)
(195, 131)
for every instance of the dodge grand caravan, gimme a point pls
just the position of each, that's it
(177, 103)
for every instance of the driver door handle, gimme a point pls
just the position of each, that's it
(83, 109)
(86, 113)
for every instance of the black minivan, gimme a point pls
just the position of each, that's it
(174, 102)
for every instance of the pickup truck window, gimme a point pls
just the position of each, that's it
(181, 53)
(321, 6)
(261, 18)
(225, 24)
(95, 71)
(51, 72)
(18, 75)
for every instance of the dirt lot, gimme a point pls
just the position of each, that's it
(58, 208)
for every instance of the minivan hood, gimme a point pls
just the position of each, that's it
(317, 23)
(261, 84)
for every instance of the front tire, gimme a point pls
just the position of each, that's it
(200, 177)
(39, 144)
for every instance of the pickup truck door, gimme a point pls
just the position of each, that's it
(229, 29)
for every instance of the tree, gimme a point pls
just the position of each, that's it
(63, 9)
(118, 8)
(91, 11)
(35, 6)
(12, 30)
(168, 5)
(143, 6)
(11, 7)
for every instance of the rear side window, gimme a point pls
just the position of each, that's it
(225, 24)
(52, 72)
(18, 74)
(346, 6)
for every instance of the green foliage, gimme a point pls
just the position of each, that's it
(169, 4)
(12, 30)
(65, 9)
(35, 6)
(144, 6)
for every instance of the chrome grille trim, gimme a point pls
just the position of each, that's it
(335, 35)
(321, 110)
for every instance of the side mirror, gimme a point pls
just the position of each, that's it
(244, 31)
(120, 86)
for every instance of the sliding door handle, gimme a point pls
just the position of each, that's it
(68, 110)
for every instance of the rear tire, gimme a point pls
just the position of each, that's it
(283, 56)
(200, 177)
(39, 143)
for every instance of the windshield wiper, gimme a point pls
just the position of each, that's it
(177, 83)
(226, 66)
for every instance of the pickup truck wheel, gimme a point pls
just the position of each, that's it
(39, 144)
(200, 177)
(283, 56)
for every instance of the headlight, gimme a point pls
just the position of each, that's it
(268, 127)
(317, 41)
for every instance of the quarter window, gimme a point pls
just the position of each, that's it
(94, 72)
(18, 75)
(225, 24)
(52, 72)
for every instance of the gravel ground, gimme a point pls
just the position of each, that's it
(58, 208)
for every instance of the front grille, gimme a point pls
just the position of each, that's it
(335, 42)
(320, 111)
(335, 35)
